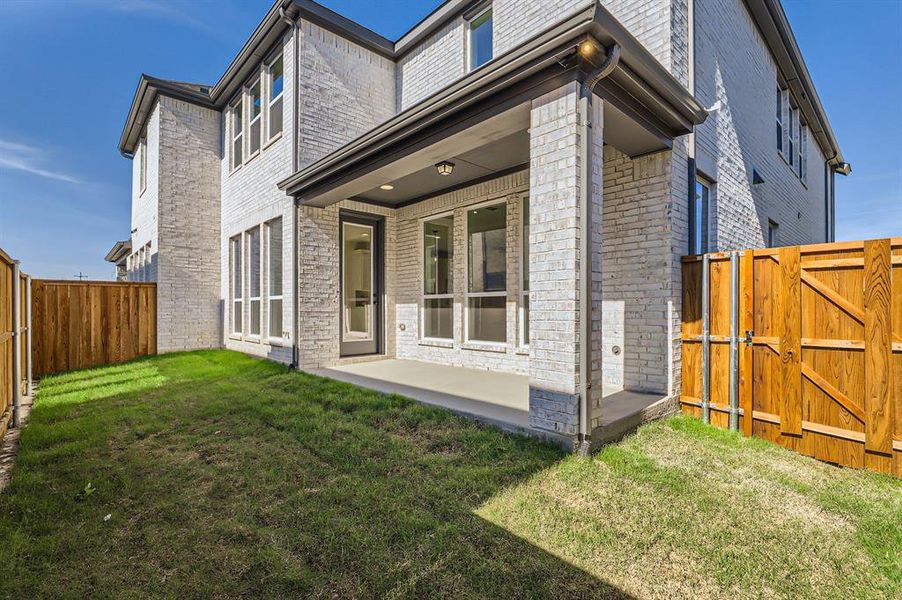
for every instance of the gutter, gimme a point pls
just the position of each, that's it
(295, 43)
(586, 93)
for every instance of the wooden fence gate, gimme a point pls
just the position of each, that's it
(86, 324)
(14, 342)
(801, 346)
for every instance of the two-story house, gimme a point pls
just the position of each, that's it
(508, 187)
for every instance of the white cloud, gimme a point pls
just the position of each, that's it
(175, 12)
(29, 159)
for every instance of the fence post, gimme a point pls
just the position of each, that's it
(747, 355)
(29, 390)
(17, 347)
(706, 338)
(734, 341)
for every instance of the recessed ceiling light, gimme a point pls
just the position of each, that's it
(386, 187)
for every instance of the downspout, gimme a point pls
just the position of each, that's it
(295, 348)
(587, 88)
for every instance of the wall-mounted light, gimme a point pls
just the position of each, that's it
(444, 168)
(387, 187)
(587, 49)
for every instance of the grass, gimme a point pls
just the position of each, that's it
(213, 474)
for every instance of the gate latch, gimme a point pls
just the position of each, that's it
(748, 338)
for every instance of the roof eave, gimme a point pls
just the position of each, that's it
(636, 62)
(142, 105)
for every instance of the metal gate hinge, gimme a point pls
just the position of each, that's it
(748, 338)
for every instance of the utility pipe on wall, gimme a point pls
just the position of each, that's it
(295, 43)
(586, 92)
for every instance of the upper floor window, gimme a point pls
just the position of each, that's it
(255, 105)
(237, 134)
(698, 217)
(792, 133)
(773, 234)
(780, 119)
(800, 155)
(142, 163)
(480, 38)
(276, 88)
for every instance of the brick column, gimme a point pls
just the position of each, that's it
(554, 261)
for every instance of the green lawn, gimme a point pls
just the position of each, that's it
(227, 476)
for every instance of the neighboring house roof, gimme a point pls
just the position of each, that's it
(119, 252)
(767, 14)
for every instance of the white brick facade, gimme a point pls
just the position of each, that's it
(195, 202)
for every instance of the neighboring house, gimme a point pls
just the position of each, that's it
(338, 197)
(121, 256)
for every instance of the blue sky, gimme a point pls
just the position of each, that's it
(69, 71)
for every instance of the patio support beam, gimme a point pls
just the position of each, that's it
(565, 198)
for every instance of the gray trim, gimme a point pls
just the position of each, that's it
(774, 27)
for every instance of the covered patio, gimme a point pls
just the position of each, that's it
(478, 251)
(500, 399)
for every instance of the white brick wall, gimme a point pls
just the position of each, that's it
(188, 308)
(636, 274)
(735, 68)
(345, 91)
(433, 64)
(145, 206)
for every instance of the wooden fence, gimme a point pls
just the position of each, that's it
(92, 323)
(15, 364)
(804, 348)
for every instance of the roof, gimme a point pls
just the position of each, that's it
(767, 14)
(119, 251)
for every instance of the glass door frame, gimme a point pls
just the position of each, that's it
(375, 344)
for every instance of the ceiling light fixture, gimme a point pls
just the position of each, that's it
(386, 187)
(444, 168)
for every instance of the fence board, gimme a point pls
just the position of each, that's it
(823, 375)
(90, 324)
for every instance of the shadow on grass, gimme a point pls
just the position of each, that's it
(251, 480)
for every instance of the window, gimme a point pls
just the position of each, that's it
(237, 284)
(148, 260)
(142, 162)
(255, 106)
(480, 39)
(524, 274)
(254, 280)
(487, 274)
(698, 217)
(237, 134)
(793, 115)
(780, 119)
(276, 87)
(438, 302)
(800, 157)
(274, 277)
(773, 230)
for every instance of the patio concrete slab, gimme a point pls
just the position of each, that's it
(500, 399)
